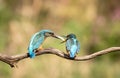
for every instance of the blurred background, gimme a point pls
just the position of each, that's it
(96, 24)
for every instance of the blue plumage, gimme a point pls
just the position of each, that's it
(37, 40)
(72, 45)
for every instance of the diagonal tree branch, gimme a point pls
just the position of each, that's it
(12, 60)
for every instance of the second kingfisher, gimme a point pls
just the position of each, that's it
(72, 45)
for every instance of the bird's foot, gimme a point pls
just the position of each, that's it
(40, 48)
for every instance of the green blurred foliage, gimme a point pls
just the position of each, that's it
(5, 17)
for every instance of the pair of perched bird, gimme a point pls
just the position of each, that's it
(72, 44)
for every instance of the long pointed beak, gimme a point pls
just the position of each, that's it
(64, 41)
(58, 37)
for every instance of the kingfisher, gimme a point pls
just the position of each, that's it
(37, 40)
(72, 45)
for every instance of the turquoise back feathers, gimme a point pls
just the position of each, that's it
(72, 45)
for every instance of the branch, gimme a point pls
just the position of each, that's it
(12, 60)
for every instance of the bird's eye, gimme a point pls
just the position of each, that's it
(49, 34)
(67, 36)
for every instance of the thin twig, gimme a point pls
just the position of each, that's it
(12, 60)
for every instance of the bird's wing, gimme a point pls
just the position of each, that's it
(36, 40)
(78, 46)
(69, 43)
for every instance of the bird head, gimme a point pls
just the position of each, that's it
(49, 33)
(69, 36)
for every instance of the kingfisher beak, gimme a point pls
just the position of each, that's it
(58, 37)
(64, 39)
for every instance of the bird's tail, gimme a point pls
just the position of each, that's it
(73, 51)
(31, 53)
(72, 55)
